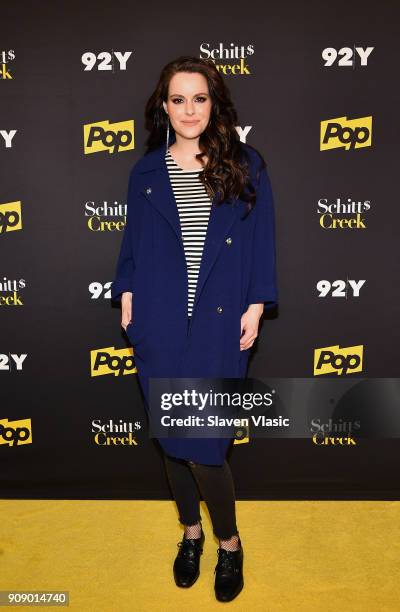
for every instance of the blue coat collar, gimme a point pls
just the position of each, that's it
(153, 160)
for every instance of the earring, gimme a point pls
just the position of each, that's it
(166, 148)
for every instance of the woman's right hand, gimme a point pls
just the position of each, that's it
(126, 309)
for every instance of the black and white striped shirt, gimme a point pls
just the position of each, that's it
(194, 206)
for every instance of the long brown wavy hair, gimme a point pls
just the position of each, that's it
(226, 173)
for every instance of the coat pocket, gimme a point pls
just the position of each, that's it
(135, 333)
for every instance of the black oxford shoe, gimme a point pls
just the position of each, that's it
(187, 562)
(229, 574)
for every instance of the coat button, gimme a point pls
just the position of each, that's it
(148, 190)
(228, 241)
(219, 309)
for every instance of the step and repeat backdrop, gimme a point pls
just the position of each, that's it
(317, 93)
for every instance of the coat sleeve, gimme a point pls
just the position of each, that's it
(123, 278)
(263, 277)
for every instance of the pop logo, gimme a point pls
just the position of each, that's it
(242, 435)
(10, 217)
(106, 136)
(15, 433)
(111, 361)
(347, 133)
(333, 360)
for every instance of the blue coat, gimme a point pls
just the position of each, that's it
(237, 269)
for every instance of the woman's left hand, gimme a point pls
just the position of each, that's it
(249, 323)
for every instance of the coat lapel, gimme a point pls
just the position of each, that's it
(158, 191)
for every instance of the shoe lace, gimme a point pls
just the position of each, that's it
(187, 549)
(226, 563)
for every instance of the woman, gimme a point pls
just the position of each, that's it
(195, 271)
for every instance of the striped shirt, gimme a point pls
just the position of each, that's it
(194, 206)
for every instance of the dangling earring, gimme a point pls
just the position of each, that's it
(166, 148)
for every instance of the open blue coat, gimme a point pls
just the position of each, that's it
(237, 269)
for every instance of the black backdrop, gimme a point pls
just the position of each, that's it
(57, 263)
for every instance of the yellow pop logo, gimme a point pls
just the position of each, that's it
(106, 136)
(112, 361)
(333, 360)
(347, 133)
(10, 217)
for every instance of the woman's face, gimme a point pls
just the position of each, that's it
(189, 104)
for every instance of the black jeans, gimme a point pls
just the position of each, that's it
(215, 484)
(189, 480)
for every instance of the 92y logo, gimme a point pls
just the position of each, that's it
(106, 61)
(11, 362)
(340, 288)
(348, 56)
(8, 136)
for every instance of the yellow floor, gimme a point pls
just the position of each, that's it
(117, 555)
